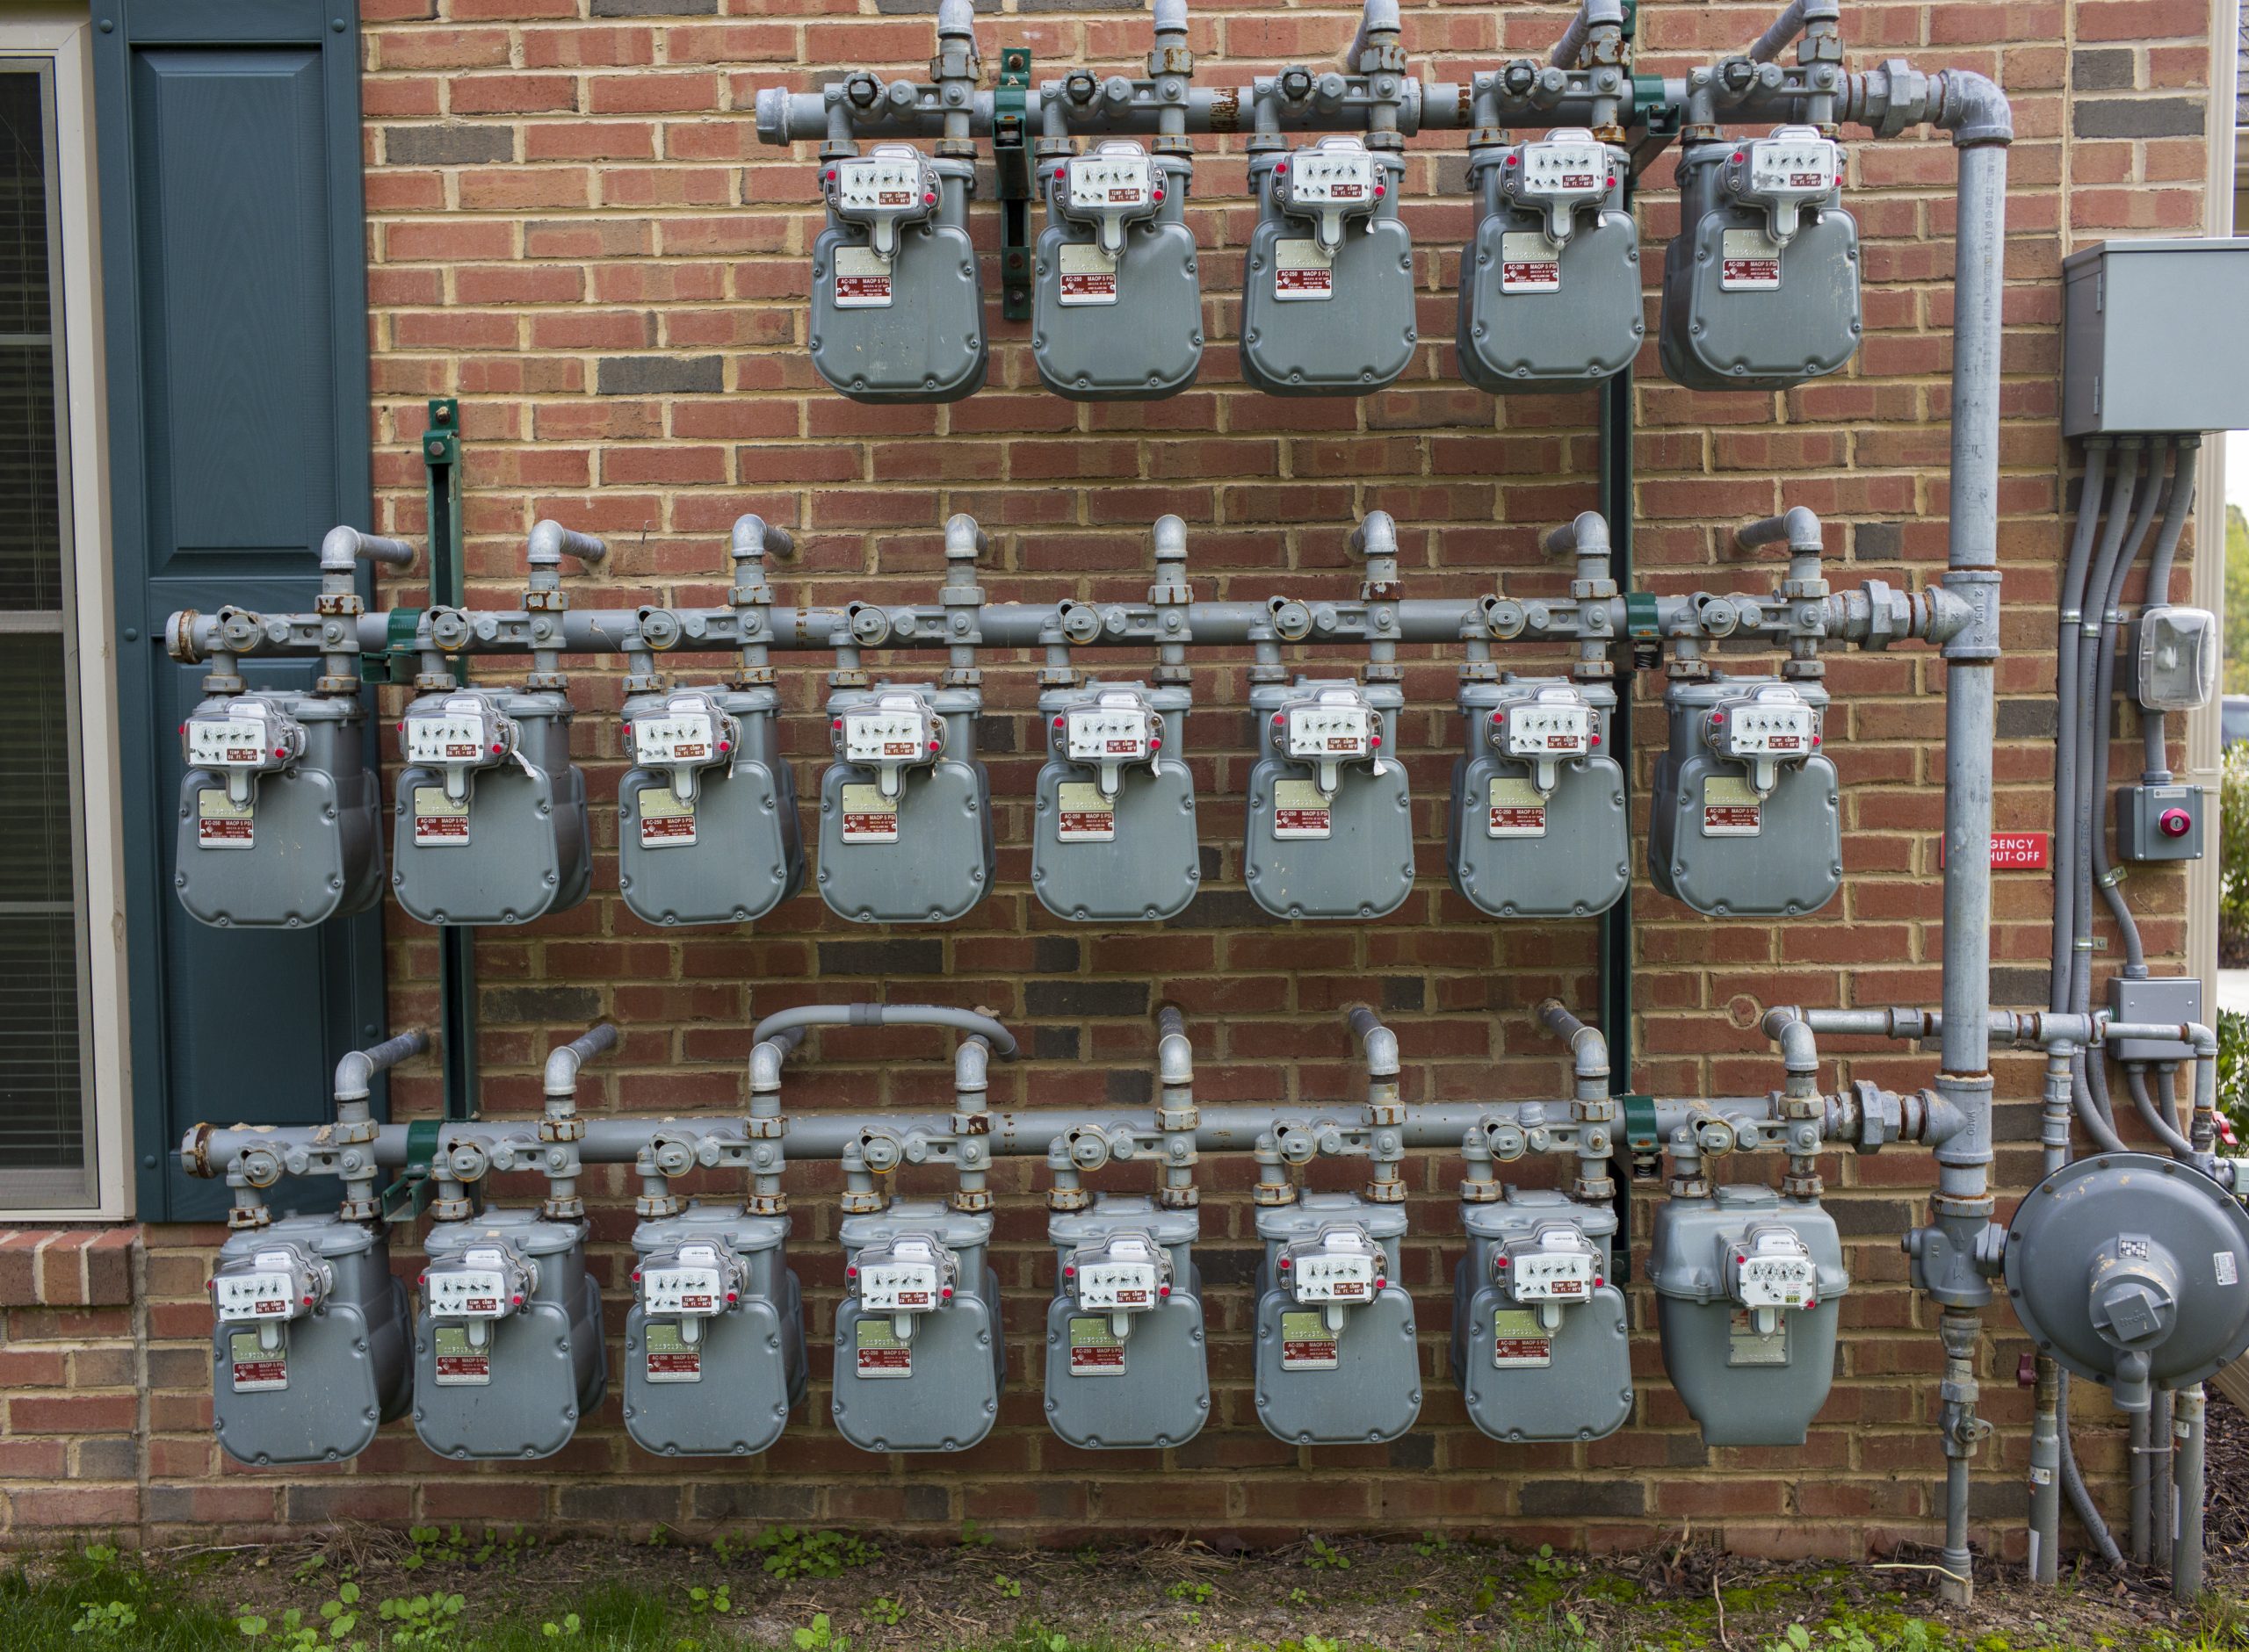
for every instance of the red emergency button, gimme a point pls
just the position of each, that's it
(2174, 823)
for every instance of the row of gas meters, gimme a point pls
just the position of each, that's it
(1761, 286)
(499, 1352)
(279, 819)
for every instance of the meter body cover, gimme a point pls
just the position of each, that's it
(897, 311)
(508, 1350)
(1540, 1346)
(1125, 1362)
(1536, 826)
(1327, 288)
(1746, 819)
(1117, 310)
(905, 808)
(309, 1343)
(707, 828)
(1329, 830)
(1335, 1354)
(280, 818)
(1113, 828)
(919, 1359)
(490, 812)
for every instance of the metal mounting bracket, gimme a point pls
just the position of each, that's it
(1011, 157)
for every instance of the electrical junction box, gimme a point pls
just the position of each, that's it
(906, 808)
(1117, 308)
(508, 1351)
(1761, 286)
(919, 1360)
(1327, 289)
(1746, 818)
(309, 1343)
(1540, 1345)
(1550, 288)
(1336, 1360)
(714, 1346)
(280, 815)
(1113, 830)
(2159, 823)
(1747, 1286)
(1536, 826)
(707, 814)
(897, 313)
(490, 812)
(2143, 351)
(1329, 829)
(1125, 1356)
(2162, 1000)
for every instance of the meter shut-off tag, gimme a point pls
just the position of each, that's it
(1335, 1354)
(707, 814)
(897, 313)
(1537, 825)
(905, 808)
(1540, 1347)
(1746, 819)
(1328, 290)
(1117, 310)
(1113, 834)
(1329, 829)
(714, 1347)
(1124, 1353)
(918, 1352)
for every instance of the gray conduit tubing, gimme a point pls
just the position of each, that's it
(2140, 1472)
(2153, 1116)
(2155, 726)
(2066, 635)
(2046, 1417)
(2186, 1548)
(2161, 1508)
(1002, 1040)
(2103, 720)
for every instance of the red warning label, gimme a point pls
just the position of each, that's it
(464, 1368)
(1303, 283)
(1751, 274)
(261, 1374)
(229, 833)
(884, 1360)
(1098, 287)
(864, 289)
(674, 1365)
(1097, 1359)
(1735, 818)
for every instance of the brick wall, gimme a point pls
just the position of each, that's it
(574, 229)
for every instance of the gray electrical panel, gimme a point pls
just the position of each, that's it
(1113, 833)
(508, 1351)
(707, 814)
(1747, 1286)
(1124, 1357)
(919, 1360)
(1540, 1346)
(1117, 310)
(1746, 818)
(1336, 1360)
(309, 1346)
(897, 313)
(1761, 286)
(1550, 287)
(490, 811)
(280, 815)
(1327, 289)
(714, 1346)
(905, 808)
(1329, 828)
(2145, 346)
(1538, 827)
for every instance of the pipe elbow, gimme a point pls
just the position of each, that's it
(956, 18)
(353, 1074)
(1380, 17)
(1174, 1061)
(1380, 1043)
(1587, 534)
(561, 1079)
(755, 538)
(1800, 1049)
(765, 1059)
(1376, 534)
(1171, 16)
(1170, 532)
(1973, 109)
(972, 1064)
(339, 552)
(1798, 526)
(550, 542)
(964, 539)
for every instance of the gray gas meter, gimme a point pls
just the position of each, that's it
(508, 1351)
(490, 812)
(309, 1342)
(1328, 290)
(1540, 1346)
(1747, 1286)
(905, 808)
(707, 814)
(1746, 819)
(1117, 310)
(1550, 287)
(918, 1352)
(1330, 829)
(1761, 286)
(1113, 836)
(897, 313)
(1538, 827)
(1336, 1360)
(279, 815)
(1125, 1356)
(714, 1346)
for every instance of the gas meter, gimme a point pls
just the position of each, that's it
(1540, 1347)
(918, 1352)
(1746, 1288)
(1113, 838)
(1327, 291)
(707, 814)
(714, 1346)
(1550, 288)
(1538, 827)
(905, 808)
(309, 1343)
(1330, 831)
(1335, 1355)
(1117, 313)
(1761, 286)
(490, 811)
(897, 315)
(279, 815)
(1746, 819)
(508, 1351)
(1125, 1354)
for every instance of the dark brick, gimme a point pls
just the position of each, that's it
(1873, 1218)
(924, 8)
(1877, 541)
(2021, 986)
(1581, 1498)
(883, 957)
(1686, 1451)
(447, 146)
(659, 375)
(754, 1500)
(1219, 909)
(924, 1502)
(1054, 954)
(1232, 1264)
(2027, 720)
(541, 1003)
(996, 734)
(655, 8)
(1129, 1087)
(1054, 1044)
(1413, 1451)
(1404, 992)
(606, 1503)
(1066, 998)
(2102, 69)
(2139, 118)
